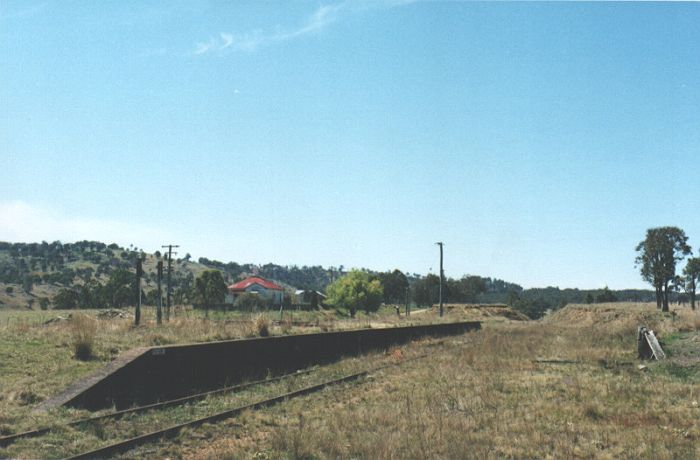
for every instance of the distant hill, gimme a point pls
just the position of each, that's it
(95, 274)
(31, 272)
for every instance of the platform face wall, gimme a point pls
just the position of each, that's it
(174, 371)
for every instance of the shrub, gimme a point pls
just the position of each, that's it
(286, 326)
(354, 291)
(327, 325)
(250, 302)
(159, 339)
(83, 331)
(262, 325)
(66, 299)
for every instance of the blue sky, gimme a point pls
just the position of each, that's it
(539, 141)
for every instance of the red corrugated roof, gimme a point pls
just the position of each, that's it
(244, 284)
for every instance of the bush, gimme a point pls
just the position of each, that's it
(250, 302)
(355, 291)
(606, 295)
(286, 326)
(262, 325)
(66, 299)
(83, 331)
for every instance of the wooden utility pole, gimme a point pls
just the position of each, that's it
(139, 274)
(159, 312)
(170, 266)
(442, 276)
(408, 307)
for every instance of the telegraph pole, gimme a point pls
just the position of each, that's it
(159, 313)
(170, 267)
(442, 276)
(139, 274)
(408, 307)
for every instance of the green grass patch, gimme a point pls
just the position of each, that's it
(687, 373)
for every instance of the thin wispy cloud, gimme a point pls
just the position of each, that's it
(320, 19)
(227, 40)
(205, 47)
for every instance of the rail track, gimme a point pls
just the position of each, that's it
(128, 444)
(171, 431)
(7, 440)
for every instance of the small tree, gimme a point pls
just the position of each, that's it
(249, 301)
(426, 290)
(120, 290)
(66, 299)
(606, 295)
(28, 284)
(466, 289)
(513, 298)
(209, 288)
(44, 303)
(691, 274)
(658, 254)
(394, 284)
(355, 291)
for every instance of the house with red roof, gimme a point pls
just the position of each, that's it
(257, 285)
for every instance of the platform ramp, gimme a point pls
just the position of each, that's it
(149, 375)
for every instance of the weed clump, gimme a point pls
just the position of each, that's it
(326, 325)
(262, 325)
(286, 326)
(27, 397)
(83, 331)
(159, 339)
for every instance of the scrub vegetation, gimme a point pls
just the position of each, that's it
(568, 385)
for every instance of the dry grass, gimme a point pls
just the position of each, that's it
(563, 387)
(37, 354)
(83, 330)
(486, 395)
(262, 325)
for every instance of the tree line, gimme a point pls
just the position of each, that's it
(658, 256)
(94, 275)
